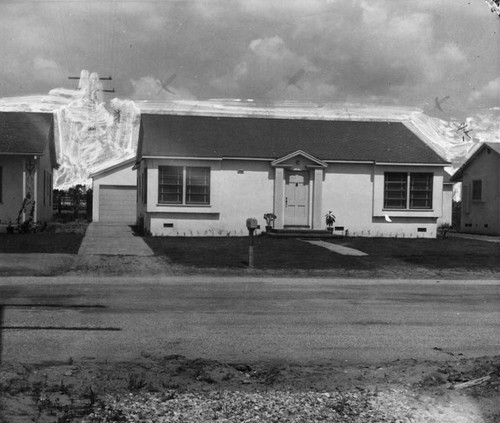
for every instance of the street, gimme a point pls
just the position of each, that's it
(245, 319)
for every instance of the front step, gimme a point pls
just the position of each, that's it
(300, 233)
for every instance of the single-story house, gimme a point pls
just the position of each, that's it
(114, 193)
(480, 177)
(27, 162)
(205, 174)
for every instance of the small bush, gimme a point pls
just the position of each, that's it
(76, 227)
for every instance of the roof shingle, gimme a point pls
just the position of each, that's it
(24, 133)
(271, 138)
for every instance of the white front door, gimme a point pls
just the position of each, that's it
(297, 199)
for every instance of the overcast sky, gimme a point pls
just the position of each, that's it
(397, 52)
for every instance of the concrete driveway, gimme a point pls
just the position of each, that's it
(113, 239)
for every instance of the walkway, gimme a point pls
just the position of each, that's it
(339, 249)
(487, 238)
(113, 239)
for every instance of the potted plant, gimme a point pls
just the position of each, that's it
(330, 220)
(443, 229)
(269, 218)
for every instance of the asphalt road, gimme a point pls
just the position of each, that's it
(248, 319)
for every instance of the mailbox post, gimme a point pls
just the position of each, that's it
(251, 226)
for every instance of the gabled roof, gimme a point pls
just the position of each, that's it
(457, 176)
(25, 133)
(164, 135)
(109, 168)
(299, 153)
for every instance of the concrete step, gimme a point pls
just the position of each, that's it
(301, 233)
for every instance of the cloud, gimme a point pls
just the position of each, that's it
(150, 88)
(46, 70)
(488, 95)
(262, 71)
(378, 50)
(358, 50)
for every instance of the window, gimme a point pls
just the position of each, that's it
(0, 184)
(184, 185)
(395, 190)
(407, 190)
(477, 190)
(420, 190)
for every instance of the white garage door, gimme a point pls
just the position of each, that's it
(117, 203)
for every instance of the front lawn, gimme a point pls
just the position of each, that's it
(56, 238)
(40, 243)
(384, 254)
(447, 253)
(232, 252)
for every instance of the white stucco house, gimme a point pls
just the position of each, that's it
(114, 193)
(203, 171)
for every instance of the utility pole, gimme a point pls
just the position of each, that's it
(104, 78)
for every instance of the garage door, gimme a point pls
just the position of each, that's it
(117, 203)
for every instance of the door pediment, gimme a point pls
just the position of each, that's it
(299, 161)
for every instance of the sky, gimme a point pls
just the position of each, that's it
(390, 52)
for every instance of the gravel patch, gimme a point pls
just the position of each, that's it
(281, 406)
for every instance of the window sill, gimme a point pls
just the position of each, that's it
(184, 205)
(410, 213)
(182, 209)
(409, 210)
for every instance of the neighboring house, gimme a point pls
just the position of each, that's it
(27, 161)
(114, 193)
(205, 174)
(480, 177)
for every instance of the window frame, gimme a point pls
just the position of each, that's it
(185, 186)
(409, 190)
(477, 188)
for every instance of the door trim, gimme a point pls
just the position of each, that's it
(297, 221)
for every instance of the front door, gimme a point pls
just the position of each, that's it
(297, 199)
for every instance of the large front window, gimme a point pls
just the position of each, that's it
(407, 190)
(184, 185)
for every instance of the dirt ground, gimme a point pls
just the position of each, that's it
(102, 265)
(408, 390)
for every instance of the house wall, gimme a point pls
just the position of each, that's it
(12, 188)
(482, 216)
(239, 189)
(355, 193)
(121, 176)
(242, 189)
(44, 170)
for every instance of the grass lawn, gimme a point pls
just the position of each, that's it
(42, 242)
(62, 238)
(447, 253)
(290, 253)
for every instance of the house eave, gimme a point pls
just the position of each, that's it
(181, 158)
(123, 163)
(22, 154)
(411, 164)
